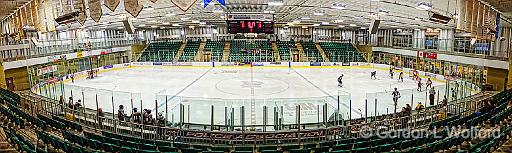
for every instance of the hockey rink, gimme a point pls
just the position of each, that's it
(231, 88)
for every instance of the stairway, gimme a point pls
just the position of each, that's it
(322, 52)
(302, 56)
(505, 148)
(180, 52)
(225, 54)
(365, 50)
(277, 57)
(200, 52)
(5, 146)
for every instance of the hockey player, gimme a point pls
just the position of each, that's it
(340, 81)
(391, 73)
(373, 75)
(401, 77)
(429, 83)
(419, 85)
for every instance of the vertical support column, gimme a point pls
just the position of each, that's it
(298, 123)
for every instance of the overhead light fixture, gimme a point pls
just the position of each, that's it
(357, 17)
(166, 23)
(149, 8)
(436, 17)
(418, 19)
(184, 19)
(424, 6)
(269, 11)
(202, 23)
(338, 21)
(133, 19)
(119, 27)
(285, 27)
(363, 28)
(353, 25)
(191, 27)
(305, 18)
(142, 25)
(175, 24)
(316, 25)
(304, 27)
(195, 21)
(154, 26)
(275, 2)
(325, 23)
(170, 14)
(394, 26)
(218, 11)
(341, 26)
(296, 21)
(383, 12)
(318, 14)
(338, 6)
(417, 29)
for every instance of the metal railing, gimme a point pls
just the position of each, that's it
(27, 49)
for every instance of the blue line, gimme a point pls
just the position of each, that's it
(179, 92)
(324, 91)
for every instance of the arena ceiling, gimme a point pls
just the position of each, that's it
(401, 14)
(393, 13)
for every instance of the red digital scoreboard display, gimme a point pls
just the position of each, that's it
(250, 26)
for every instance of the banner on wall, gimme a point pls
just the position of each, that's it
(50, 19)
(79, 54)
(184, 5)
(95, 10)
(47, 69)
(427, 55)
(80, 7)
(133, 7)
(33, 12)
(112, 4)
(41, 17)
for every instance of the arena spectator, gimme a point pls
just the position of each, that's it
(420, 106)
(100, 117)
(148, 117)
(120, 113)
(136, 116)
(77, 105)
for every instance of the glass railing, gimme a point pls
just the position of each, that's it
(27, 49)
(458, 46)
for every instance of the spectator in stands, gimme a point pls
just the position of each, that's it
(408, 109)
(444, 102)
(70, 103)
(100, 115)
(160, 119)
(420, 106)
(148, 117)
(136, 116)
(120, 113)
(432, 93)
(77, 105)
(62, 103)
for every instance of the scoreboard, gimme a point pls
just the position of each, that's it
(250, 23)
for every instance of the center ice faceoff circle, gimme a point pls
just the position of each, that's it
(257, 86)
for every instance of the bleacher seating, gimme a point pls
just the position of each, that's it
(190, 51)
(284, 49)
(436, 141)
(216, 48)
(160, 52)
(312, 52)
(255, 51)
(341, 52)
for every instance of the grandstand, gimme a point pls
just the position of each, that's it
(283, 48)
(341, 52)
(216, 48)
(190, 51)
(160, 52)
(256, 76)
(312, 53)
(250, 51)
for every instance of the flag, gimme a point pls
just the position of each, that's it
(206, 2)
